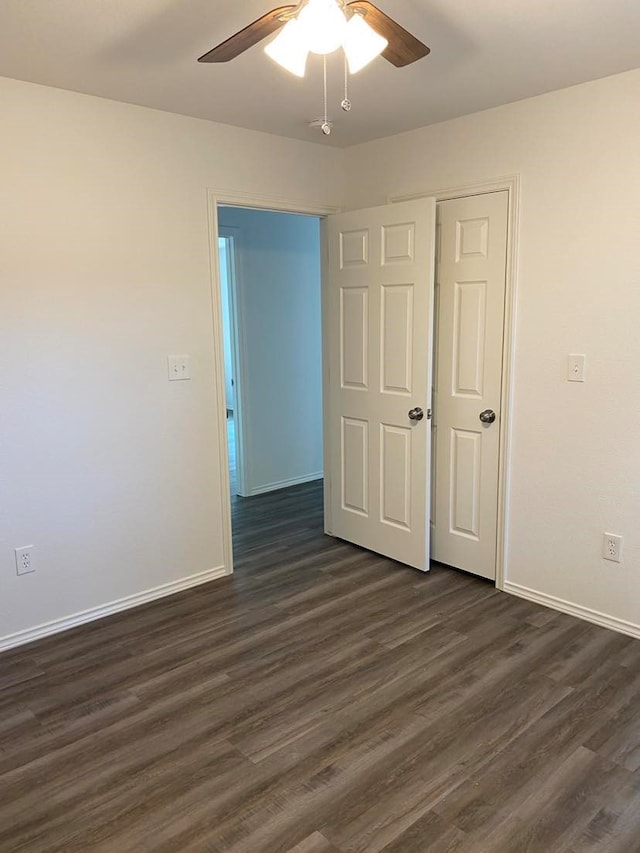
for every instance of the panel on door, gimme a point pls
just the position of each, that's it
(471, 288)
(379, 322)
(354, 449)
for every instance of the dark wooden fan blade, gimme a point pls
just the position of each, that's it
(248, 36)
(403, 48)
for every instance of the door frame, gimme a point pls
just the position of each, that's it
(255, 201)
(510, 183)
(231, 234)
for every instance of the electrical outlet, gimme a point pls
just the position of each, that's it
(179, 367)
(612, 547)
(25, 562)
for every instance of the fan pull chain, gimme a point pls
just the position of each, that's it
(346, 103)
(326, 126)
(324, 61)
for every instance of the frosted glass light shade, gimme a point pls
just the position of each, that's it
(324, 25)
(289, 48)
(361, 43)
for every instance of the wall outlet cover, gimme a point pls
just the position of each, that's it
(612, 547)
(179, 367)
(25, 560)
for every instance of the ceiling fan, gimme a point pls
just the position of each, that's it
(402, 48)
(322, 26)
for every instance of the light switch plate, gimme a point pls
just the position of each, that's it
(576, 365)
(179, 367)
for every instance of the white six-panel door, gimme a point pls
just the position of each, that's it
(379, 317)
(471, 287)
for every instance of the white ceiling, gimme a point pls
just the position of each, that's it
(483, 54)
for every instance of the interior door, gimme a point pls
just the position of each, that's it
(379, 322)
(471, 276)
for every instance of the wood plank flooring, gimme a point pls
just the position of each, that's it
(322, 700)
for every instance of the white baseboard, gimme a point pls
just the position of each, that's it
(603, 619)
(283, 484)
(129, 601)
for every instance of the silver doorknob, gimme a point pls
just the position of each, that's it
(488, 416)
(416, 414)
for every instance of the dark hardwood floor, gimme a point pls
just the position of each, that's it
(322, 699)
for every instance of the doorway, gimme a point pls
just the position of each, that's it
(269, 263)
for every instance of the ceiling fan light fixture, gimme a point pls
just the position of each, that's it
(323, 24)
(361, 43)
(289, 48)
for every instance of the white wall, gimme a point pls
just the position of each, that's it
(112, 472)
(576, 452)
(278, 305)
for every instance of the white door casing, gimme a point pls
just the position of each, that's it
(379, 319)
(472, 257)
